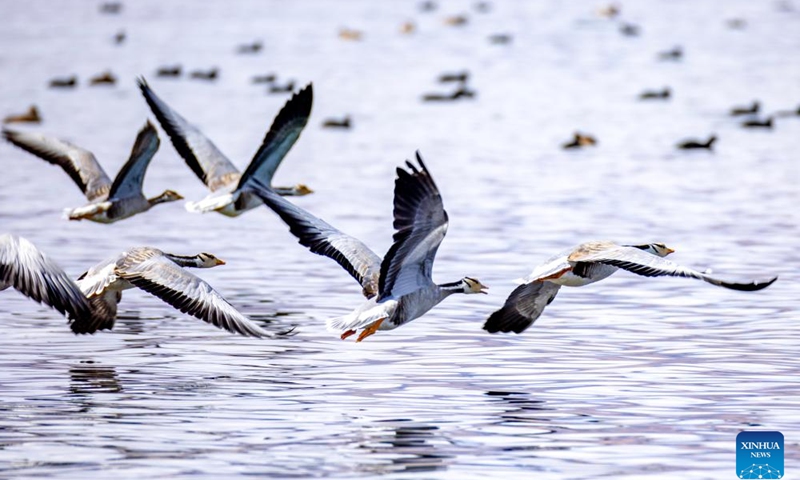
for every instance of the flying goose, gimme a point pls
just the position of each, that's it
(580, 140)
(33, 274)
(399, 288)
(228, 196)
(108, 202)
(589, 263)
(162, 275)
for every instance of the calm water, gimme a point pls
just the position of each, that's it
(632, 378)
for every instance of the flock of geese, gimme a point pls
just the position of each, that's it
(398, 287)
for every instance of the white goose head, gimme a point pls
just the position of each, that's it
(657, 249)
(472, 285)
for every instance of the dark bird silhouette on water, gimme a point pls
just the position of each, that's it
(756, 123)
(675, 54)
(664, 94)
(580, 140)
(343, 123)
(694, 144)
(287, 88)
(751, 110)
(454, 77)
(64, 82)
(167, 72)
(205, 74)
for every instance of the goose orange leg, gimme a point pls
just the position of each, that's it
(347, 334)
(370, 330)
(555, 275)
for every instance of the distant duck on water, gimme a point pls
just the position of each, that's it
(211, 74)
(169, 72)
(30, 116)
(751, 110)
(697, 144)
(108, 202)
(250, 48)
(105, 78)
(580, 140)
(343, 123)
(756, 123)
(64, 82)
(664, 94)
(286, 88)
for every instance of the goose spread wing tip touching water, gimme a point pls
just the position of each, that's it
(32, 273)
(589, 263)
(162, 275)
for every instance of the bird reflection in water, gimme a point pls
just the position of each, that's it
(520, 408)
(87, 379)
(410, 446)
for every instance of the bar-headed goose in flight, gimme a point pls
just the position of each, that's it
(399, 287)
(108, 202)
(33, 274)
(228, 195)
(161, 274)
(589, 263)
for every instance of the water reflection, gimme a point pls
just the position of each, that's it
(411, 447)
(88, 380)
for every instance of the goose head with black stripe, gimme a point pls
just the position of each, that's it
(229, 195)
(108, 201)
(399, 287)
(588, 263)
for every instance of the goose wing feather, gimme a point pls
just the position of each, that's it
(130, 178)
(149, 270)
(80, 164)
(280, 138)
(33, 274)
(523, 306)
(200, 154)
(420, 223)
(321, 238)
(640, 262)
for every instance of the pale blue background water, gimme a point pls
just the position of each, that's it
(632, 378)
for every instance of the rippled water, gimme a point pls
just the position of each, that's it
(633, 377)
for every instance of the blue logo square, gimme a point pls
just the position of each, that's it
(759, 455)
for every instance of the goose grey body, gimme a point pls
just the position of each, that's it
(108, 201)
(399, 288)
(33, 274)
(228, 195)
(162, 275)
(589, 263)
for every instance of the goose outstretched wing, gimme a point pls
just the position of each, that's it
(149, 270)
(420, 223)
(200, 154)
(285, 130)
(525, 304)
(80, 164)
(640, 262)
(33, 274)
(130, 178)
(319, 237)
